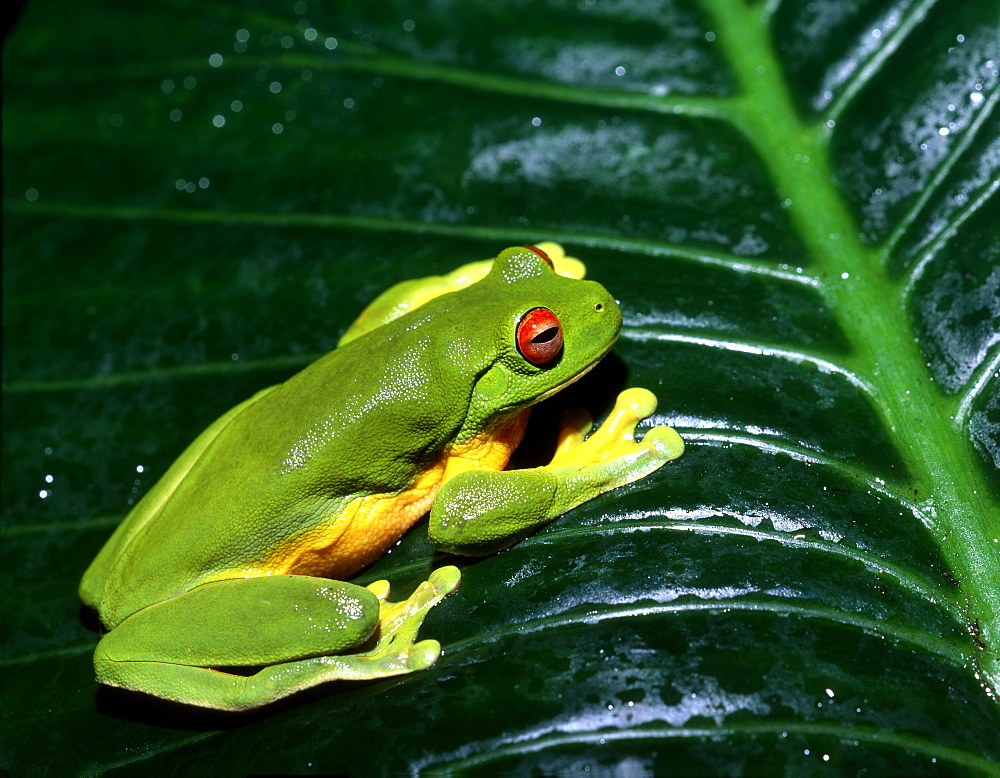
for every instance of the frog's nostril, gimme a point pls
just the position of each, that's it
(599, 307)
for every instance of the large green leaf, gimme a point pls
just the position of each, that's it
(796, 204)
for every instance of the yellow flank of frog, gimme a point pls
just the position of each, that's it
(370, 525)
(232, 559)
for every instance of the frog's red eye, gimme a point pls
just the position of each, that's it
(539, 336)
(542, 254)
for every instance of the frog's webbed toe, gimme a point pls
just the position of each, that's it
(399, 622)
(611, 455)
(482, 511)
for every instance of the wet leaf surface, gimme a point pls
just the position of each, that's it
(796, 205)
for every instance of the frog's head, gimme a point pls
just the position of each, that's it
(544, 331)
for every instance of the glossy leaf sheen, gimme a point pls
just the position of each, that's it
(796, 204)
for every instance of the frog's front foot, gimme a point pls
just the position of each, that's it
(394, 650)
(611, 456)
(481, 511)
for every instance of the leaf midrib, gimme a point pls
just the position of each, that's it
(958, 508)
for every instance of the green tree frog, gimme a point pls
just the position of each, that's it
(224, 587)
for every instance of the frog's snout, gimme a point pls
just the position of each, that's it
(606, 307)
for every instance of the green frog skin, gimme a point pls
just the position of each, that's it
(237, 557)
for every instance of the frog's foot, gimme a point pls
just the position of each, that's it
(394, 649)
(611, 456)
(481, 511)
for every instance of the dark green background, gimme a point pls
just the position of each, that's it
(796, 204)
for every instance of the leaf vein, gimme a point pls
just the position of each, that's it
(869, 560)
(916, 272)
(990, 368)
(870, 625)
(799, 357)
(860, 77)
(481, 755)
(933, 186)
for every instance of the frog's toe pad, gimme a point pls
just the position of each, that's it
(445, 580)
(615, 439)
(380, 589)
(422, 655)
(665, 441)
(400, 621)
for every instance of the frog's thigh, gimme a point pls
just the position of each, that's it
(166, 648)
(247, 621)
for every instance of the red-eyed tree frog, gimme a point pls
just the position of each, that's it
(237, 557)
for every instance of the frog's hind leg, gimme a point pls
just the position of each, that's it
(303, 631)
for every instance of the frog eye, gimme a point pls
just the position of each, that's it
(542, 254)
(539, 336)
